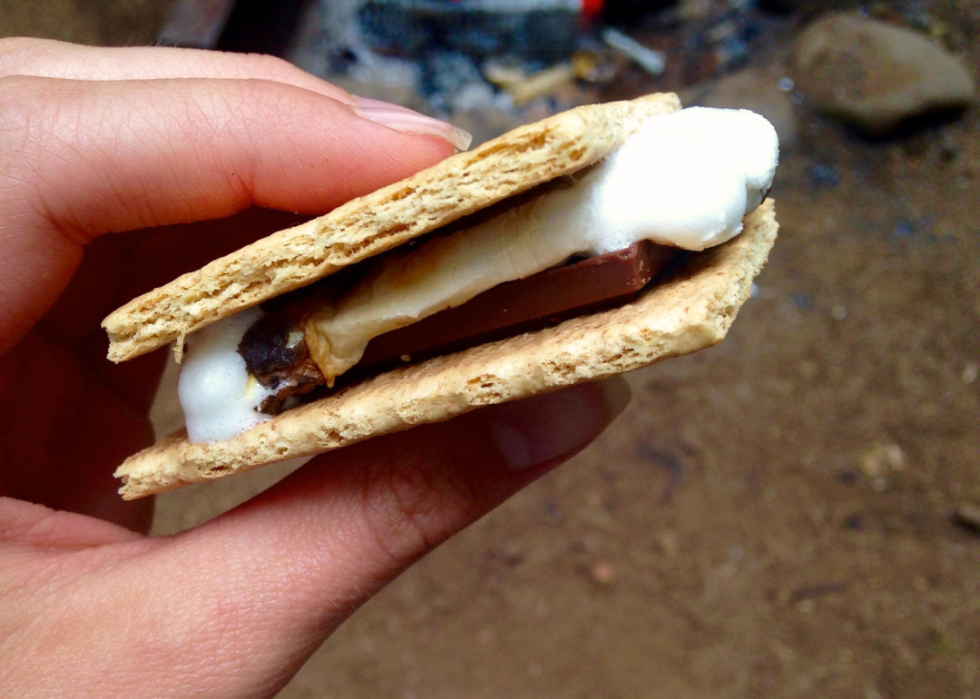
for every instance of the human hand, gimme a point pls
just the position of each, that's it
(154, 141)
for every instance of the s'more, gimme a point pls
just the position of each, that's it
(592, 243)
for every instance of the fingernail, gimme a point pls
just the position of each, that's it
(407, 121)
(541, 429)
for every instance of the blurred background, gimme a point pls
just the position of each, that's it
(795, 512)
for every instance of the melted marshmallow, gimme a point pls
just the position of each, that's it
(216, 393)
(684, 179)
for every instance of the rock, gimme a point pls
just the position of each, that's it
(874, 75)
(880, 463)
(967, 515)
(879, 460)
(749, 89)
(669, 544)
(970, 372)
(602, 573)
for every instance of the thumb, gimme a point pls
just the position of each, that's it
(288, 567)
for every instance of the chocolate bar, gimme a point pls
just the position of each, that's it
(276, 355)
(593, 284)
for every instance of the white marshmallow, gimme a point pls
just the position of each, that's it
(216, 393)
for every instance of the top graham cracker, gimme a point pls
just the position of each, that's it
(460, 185)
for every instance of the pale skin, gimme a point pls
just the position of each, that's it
(112, 164)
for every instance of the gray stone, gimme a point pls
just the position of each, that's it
(748, 89)
(874, 75)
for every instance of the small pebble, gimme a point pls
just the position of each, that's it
(512, 552)
(970, 372)
(806, 606)
(838, 312)
(603, 573)
(967, 515)
(881, 460)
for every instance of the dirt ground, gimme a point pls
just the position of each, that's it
(771, 517)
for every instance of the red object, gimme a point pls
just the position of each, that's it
(590, 8)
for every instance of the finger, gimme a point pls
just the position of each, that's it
(295, 562)
(83, 158)
(92, 157)
(58, 59)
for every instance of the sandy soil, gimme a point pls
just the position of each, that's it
(771, 517)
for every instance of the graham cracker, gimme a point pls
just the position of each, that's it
(461, 184)
(692, 308)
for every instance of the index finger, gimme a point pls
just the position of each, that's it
(85, 158)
